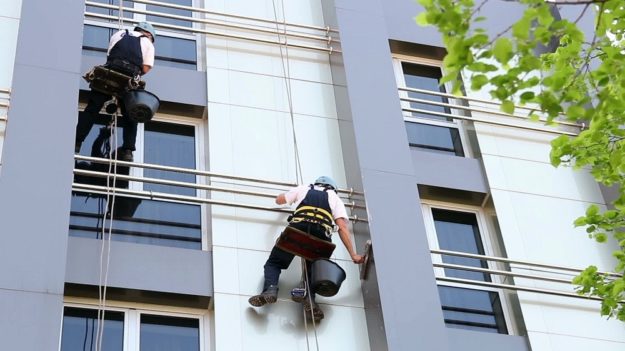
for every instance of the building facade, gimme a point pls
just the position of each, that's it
(473, 246)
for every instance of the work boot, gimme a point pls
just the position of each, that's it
(269, 295)
(124, 155)
(317, 314)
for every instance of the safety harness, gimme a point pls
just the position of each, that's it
(315, 208)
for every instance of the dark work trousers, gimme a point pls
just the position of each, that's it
(88, 118)
(280, 259)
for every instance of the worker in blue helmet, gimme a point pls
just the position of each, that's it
(130, 52)
(329, 209)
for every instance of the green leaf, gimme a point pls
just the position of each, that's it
(422, 19)
(503, 50)
(478, 81)
(507, 106)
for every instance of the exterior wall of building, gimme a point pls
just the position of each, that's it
(250, 135)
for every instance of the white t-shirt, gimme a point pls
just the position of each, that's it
(147, 48)
(297, 194)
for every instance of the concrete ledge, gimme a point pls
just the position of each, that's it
(468, 340)
(141, 267)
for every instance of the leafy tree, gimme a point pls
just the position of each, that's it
(581, 79)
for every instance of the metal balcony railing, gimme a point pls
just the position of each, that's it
(5, 95)
(349, 196)
(532, 271)
(456, 104)
(211, 23)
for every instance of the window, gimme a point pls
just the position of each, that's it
(428, 125)
(81, 325)
(157, 331)
(143, 220)
(464, 305)
(173, 49)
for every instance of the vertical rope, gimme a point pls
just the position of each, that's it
(286, 71)
(106, 240)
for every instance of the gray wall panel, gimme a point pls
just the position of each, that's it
(373, 92)
(37, 173)
(30, 321)
(443, 171)
(400, 22)
(467, 340)
(142, 267)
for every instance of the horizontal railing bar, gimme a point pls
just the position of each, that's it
(201, 10)
(3, 118)
(461, 97)
(507, 260)
(136, 233)
(195, 172)
(206, 21)
(473, 109)
(4, 104)
(184, 184)
(516, 287)
(499, 272)
(5, 91)
(183, 198)
(232, 36)
(477, 119)
(137, 220)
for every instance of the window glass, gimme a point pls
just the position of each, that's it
(142, 220)
(458, 231)
(472, 309)
(175, 52)
(80, 327)
(162, 333)
(438, 139)
(109, 12)
(425, 78)
(169, 51)
(172, 11)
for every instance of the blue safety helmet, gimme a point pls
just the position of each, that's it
(326, 182)
(146, 27)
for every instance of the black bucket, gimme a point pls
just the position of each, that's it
(326, 277)
(141, 105)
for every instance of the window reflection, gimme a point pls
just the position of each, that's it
(472, 309)
(441, 139)
(162, 333)
(172, 11)
(141, 220)
(80, 328)
(170, 51)
(458, 231)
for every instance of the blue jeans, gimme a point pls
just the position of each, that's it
(280, 259)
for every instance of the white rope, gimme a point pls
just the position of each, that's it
(110, 198)
(286, 71)
(120, 18)
(106, 240)
(312, 306)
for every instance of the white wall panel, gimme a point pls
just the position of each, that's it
(307, 12)
(251, 134)
(536, 205)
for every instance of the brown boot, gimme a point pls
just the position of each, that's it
(269, 295)
(316, 315)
